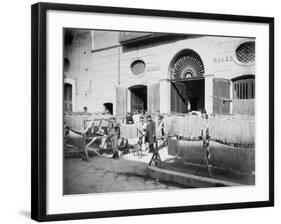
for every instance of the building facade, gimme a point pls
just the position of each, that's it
(127, 71)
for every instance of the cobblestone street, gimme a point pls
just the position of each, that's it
(103, 174)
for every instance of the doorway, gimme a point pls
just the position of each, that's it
(187, 95)
(138, 98)
(187, 82)
(195, 91)
(108, 107)
(67, 97)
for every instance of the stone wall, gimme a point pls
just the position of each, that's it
(96, 70)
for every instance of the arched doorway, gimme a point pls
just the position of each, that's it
(108, 107)
(138, 98)
(187, 82)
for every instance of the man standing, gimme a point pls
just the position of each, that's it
(150, 133)
(151, 139)
(114, 133)
(206, 140)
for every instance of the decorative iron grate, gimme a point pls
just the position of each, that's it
(245, 53)
(186, 67)
(138, 67)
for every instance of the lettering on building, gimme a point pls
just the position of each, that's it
(223, 59)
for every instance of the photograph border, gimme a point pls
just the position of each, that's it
(39, 110)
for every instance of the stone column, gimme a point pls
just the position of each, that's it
(129, 101)
(209, 93)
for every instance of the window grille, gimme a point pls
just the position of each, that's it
(138, 67)
(245, 52)
(186, 67)
(244, 88)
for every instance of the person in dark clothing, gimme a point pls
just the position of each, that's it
(129, 118)
(150, 133)
(151, 139)
(114, 133)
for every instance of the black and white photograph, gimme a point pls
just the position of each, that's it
(144, 111)
(150, 111)
(131, 111)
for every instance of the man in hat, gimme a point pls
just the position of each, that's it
(150, 133)
(151, 139)
(113, 134)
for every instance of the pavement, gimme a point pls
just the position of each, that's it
(131, 173)
(103, 174)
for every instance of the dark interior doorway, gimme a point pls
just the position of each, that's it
(67, 97)
(108, 107)
(138, 98)
(188, 95)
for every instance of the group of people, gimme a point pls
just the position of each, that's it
(136, 117)
(147, 131)
(147, 134)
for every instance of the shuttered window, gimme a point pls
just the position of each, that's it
(121, 101)
(221, 93)
(154, 98)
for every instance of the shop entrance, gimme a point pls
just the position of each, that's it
(138, 98)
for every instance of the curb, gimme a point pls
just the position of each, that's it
(187, 180)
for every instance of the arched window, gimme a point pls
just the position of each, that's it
(244, 87)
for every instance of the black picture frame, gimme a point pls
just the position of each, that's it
(39, 108)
